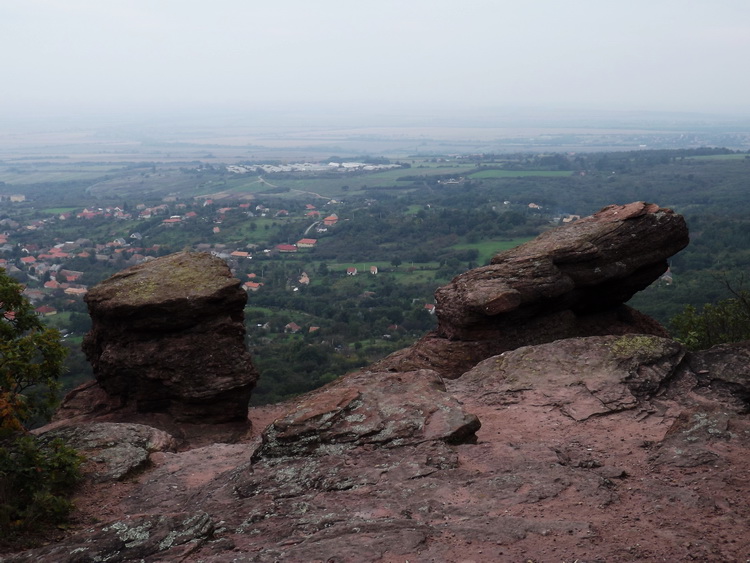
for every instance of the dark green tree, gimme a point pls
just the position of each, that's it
(35, 477)
(31, 359)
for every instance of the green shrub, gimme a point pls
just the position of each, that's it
(718, 323)
(36, 479)
(31, 360)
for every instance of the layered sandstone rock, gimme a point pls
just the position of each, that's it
(168, 336)
(373, 409)
(570, 281)
(610, 448)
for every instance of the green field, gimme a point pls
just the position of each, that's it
(414, 275)
(740, 156)
(59, 210)
(393, 175)
(24, 174)
(362, 267)
(59, 321)
(264, 310)
(258, 230)
(484, 174)
(488, 248)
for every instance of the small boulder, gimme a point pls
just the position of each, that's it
(113, 451)
(379, 409)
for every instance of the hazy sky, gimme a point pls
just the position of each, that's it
(681, 55)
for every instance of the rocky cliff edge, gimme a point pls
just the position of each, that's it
(613, 446)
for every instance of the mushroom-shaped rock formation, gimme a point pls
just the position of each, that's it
(168, 336)
(570, 281)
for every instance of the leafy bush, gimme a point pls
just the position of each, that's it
(719, 323)
(31, 360)
(35, 479)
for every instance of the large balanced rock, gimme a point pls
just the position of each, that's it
(168, 336)
(570, 281)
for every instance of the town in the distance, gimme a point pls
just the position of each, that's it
(340, 257)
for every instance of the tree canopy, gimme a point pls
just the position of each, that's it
(35, 478)
(31, 359)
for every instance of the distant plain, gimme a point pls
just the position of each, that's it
(245, 137)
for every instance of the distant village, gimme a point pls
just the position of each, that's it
(47, 271)
(310, 167)
(49, 276)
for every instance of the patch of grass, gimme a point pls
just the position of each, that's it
(488, 248)
(22, 174)
(414, 275)
(59, 210)
(361, 266)
(59, 321)
(264, 310)
(519, 173)
(740, 156)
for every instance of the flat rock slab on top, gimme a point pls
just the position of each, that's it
(157, 289)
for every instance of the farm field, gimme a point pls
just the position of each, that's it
(488, 248)
(483, 174)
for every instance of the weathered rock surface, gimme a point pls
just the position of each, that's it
(140, 538)
(113, 451)
(570, 281)
(608, 448)
(593, 264)
(366, 408)
(168, 336)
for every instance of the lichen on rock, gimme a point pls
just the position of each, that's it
(113, 451)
